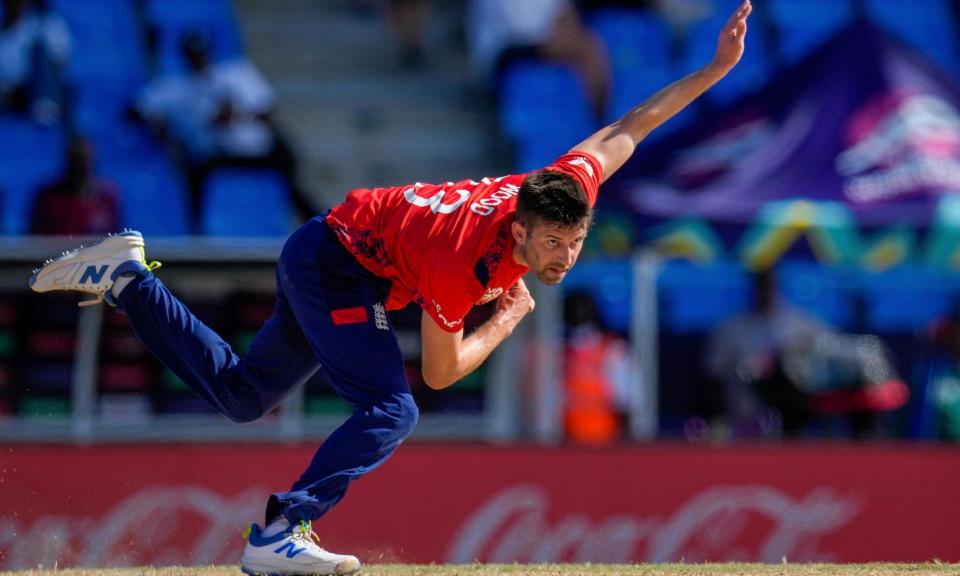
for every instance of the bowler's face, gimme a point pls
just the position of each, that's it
(548, 249)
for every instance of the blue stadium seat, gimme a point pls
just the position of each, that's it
(154, 194)
(805, 24)
(750, 74)
(173, 17)
(696, 298)
(543, 110)
(30, 156)
(928, 26)
(638, 45)
(107, 62)
(127, 142)
(99, 105)
(246, 202)
(154, 198)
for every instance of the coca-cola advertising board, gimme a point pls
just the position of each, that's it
(170, 504)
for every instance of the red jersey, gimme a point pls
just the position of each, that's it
(447, 246)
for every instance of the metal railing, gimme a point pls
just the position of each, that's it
(217, 266)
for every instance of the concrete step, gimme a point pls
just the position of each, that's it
(354, 118)
(386, 92)
(336, 184)
(398, 140)
(328, 39)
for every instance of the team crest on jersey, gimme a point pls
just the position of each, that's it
(380, 316)
(490, 294)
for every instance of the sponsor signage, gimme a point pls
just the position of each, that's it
(168, 505)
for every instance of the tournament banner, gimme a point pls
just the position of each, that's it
(863, 122)
(159, 505)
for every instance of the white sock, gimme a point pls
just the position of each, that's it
(120, 283)
(277, 526)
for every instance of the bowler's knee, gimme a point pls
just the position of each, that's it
(405, 415)
(243, 416)
(244, 412)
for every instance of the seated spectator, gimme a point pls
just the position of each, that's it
(34, 51)
(501, 31)
(217, 114)
(600, 378)
(744, 358)
(78, 203)
(779, 369)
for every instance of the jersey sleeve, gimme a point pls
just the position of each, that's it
(443, 293)
(584, 168)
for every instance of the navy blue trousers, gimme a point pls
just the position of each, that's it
(328, 313)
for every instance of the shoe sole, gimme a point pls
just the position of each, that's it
(101, 249)
(251, 571)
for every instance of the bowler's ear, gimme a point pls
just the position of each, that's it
(519, 232)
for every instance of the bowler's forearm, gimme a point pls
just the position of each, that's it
(666, 103)
(476, 348)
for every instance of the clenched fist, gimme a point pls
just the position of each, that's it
(517, 302)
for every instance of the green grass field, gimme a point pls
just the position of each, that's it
(556, 570)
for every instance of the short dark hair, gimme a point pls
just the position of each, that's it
(553, 197)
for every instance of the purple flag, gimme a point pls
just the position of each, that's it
(863, 121)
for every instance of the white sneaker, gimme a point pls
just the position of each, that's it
(294, 551)
(93, 269)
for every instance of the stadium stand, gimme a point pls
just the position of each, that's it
(638, 44)
(533, 95)
(246, 202)
(154, 191)
(110, 64)
(32, 155)
(169, 19)
(107, 65)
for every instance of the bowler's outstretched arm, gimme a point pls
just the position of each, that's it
(613, 145)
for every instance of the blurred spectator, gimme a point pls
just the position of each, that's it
(780, 369)
(218, 114)
(599, 375)
(500, 31)
(78, 203)
(407, 19)
(34, 52)
(744, 359)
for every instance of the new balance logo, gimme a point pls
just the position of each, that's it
(380, 316)
(293, 550)
(93, 275)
